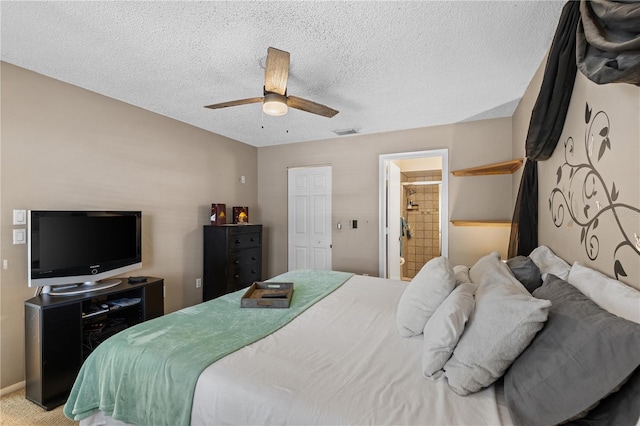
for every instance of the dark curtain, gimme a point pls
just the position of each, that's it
(608, 41)
(602, 39)
(550, 109)
(545, 127)
(524, 239)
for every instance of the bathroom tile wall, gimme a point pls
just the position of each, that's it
(421, 209)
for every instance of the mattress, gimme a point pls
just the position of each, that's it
(340, 362)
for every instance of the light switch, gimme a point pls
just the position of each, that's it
(19, 217)
(20, 236)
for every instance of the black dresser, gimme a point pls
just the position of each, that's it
(232, 258)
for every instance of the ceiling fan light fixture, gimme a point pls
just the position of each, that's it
(274, 104)
(275, 101)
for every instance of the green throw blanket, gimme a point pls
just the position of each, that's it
(147, 374)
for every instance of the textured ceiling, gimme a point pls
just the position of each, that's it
(384, 65)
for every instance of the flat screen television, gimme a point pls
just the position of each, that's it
(71, 252)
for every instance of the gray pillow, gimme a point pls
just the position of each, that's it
(621, 408)
(526, 271)
(581, 355)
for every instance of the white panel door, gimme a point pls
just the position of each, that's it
(309, 218)
(393, 226)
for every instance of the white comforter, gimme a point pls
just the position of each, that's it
(340, 362)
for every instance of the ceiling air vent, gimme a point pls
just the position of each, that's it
(345, 132)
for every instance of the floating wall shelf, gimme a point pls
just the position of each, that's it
(492, 223)
(503, 168)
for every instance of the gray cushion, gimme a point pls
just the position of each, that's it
(526, 271)
(621, 408)
(581, 355)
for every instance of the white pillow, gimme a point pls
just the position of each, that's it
(492, 268)
(549, 263)
(462, 274)
(611, 295)
(426, 291)
(504, 321)
(444, 328)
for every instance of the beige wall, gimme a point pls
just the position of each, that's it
(618, 166)
(67, 148)
(355, 162)
(616, 107)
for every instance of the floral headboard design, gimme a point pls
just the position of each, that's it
(585, 197)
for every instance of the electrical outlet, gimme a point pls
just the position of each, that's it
(198, 282)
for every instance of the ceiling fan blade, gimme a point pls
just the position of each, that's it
(309, 106)
(276, 71)
(235, 103)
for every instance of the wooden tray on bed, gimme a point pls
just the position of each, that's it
(267, 295)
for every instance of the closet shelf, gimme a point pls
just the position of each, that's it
(503, 168)
(481, 223)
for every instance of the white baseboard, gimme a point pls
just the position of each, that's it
(12, 388)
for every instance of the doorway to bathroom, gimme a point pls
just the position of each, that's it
(413, 197)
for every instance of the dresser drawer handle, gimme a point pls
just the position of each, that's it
(238, 241)
(237, 262)
(236, 276)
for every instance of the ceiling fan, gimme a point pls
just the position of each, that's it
(275, 100)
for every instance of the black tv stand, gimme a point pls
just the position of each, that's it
(61, 332)
(81, 288)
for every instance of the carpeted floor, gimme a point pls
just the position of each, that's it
(16, 410)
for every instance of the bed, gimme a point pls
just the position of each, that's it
(350, 357)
